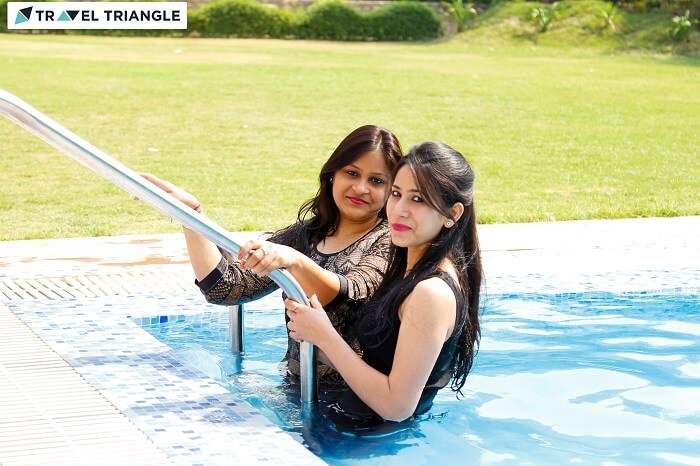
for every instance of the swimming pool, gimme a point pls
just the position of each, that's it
(603, 378)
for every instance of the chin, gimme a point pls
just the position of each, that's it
(397, 240)
(360, 213)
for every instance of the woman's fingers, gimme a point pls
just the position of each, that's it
(267, 264)
(246, 249)
(166, 186)
(293, 306)
(290, 305)
(251, 259)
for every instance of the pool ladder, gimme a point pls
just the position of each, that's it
(122, 176)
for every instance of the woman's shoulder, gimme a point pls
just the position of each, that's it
(434, 288)
(433, 295)
(378, 235)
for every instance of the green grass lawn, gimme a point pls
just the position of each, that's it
(554, 134)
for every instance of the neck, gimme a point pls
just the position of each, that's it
(414, 254)
(348, 227)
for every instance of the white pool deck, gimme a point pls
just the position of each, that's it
(78, 379)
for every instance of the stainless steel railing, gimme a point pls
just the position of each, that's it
(119, 174)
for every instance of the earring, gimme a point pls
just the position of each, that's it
(331, 179)
(449, 224)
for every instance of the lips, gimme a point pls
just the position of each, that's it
(357, 201)
(400, 227)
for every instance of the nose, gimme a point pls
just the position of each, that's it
(361, 187)
(400, 209)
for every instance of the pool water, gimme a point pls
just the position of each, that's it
(586, 378)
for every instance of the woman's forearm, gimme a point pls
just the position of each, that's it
(314, 279)
(204, 255)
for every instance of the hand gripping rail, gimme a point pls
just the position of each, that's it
(119, 174)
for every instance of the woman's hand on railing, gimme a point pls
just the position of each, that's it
(309, 323)
(178, 193)
(262, 257)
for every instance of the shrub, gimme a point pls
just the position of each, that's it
(3, 15)
(333, 19)
(404, 21)
(608, 15)
(543, 16)
(327, 19)
(682, 25)
(462, 13)
(242, 18)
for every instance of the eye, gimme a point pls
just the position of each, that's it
(395, 194)
(376, 180)
(417, 199)
(351, 172)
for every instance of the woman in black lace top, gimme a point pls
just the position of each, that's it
(420, 330)
(337, 249)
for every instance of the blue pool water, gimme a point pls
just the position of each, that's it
(586, 378)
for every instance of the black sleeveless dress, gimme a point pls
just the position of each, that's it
(378, 351)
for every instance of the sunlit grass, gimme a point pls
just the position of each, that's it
(246, 124)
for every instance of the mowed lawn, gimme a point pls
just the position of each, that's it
(246, 124)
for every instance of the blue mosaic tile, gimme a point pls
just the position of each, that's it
(187, 415)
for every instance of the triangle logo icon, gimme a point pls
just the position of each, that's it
(72, 13)
(64, 17)
(23, 15)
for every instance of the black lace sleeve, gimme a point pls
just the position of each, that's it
(229, 284)
(363, 279)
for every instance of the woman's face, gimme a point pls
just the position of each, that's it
(360, 188)
(413, 222)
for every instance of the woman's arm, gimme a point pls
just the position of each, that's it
(428, 316)
(221, 280)
(358, 283)
(204, 255)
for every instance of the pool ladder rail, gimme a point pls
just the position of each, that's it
(122, 176)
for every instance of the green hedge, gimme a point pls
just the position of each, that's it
(3, 15)
(326, 19)
(241, 18)
(334, 20)
(404, 21)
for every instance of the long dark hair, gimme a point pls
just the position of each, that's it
(443, 178)
(319, 214)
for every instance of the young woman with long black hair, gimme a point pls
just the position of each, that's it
(337, 249)
(420, 330)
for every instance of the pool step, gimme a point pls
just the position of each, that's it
(130, 283)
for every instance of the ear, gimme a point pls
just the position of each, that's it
(456, 213)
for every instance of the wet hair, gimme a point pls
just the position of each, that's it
(320, 214)
(443, 178)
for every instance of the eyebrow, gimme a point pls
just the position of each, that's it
(399, 188)
(374, 173)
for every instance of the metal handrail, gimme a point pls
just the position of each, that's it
(119, 174)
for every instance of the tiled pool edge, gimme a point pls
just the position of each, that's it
(191, 418)
(65, 422)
